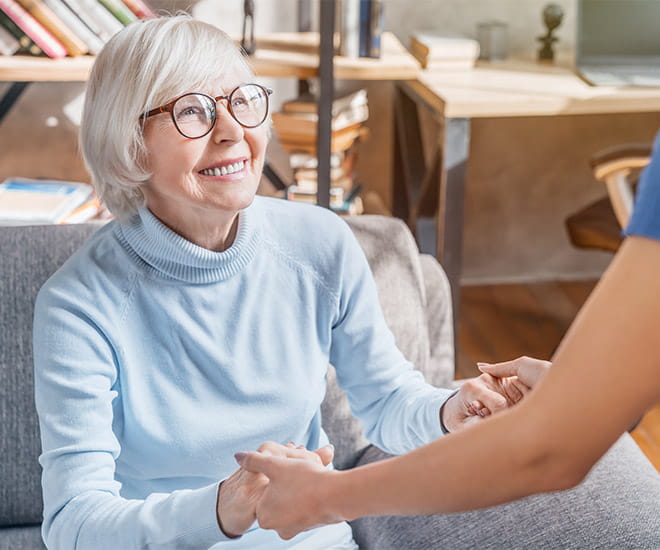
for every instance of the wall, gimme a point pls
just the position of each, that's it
(526, 175)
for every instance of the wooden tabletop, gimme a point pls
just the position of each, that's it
(525, 88)
(277, 55)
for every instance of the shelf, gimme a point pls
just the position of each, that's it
(26, 68)
(278, 55)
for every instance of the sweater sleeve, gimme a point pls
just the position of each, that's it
(398, 409)
(76, 383)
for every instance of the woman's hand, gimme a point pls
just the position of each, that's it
(528, 370)
(480, 397)
(238, 494)
(293, 501)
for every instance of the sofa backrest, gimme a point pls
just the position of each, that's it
(28, 256)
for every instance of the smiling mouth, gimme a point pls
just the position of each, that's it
(230, 168)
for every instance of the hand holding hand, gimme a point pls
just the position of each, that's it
(528, 370)
(479, 397)
(239, 494)
(292, 501)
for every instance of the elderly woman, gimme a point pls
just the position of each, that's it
(201, 321)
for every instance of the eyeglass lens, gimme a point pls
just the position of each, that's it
(194, 114)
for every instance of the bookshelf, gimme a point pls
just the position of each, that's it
(300, 55)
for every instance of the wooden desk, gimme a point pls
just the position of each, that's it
(431, 198)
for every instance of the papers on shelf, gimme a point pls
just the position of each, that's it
(27, 201)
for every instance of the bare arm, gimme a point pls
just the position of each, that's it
(606, 374)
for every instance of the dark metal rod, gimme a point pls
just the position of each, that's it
(327, 85)
(10, 97)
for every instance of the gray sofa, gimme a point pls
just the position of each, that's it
(618, 506)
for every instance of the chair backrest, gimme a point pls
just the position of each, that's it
(613, 166)
(28, 256)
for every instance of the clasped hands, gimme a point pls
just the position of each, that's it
(283, 485)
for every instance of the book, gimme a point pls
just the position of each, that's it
(86, 211)
(47, 17)
(119, 10)
(96, 17)
(349, 28)
(437, 45)
(444, 64)
(140, 8)
(28, 201)
(27, 45)
(365, 28)
(340, 141)
(309, 103)
(50, 45)
(8, 43)
(305, 124)
(73, 21)
(376, 24)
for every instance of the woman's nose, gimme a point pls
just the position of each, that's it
(226, 126)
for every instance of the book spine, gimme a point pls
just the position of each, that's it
(350, 28)
(365, 15)
(109, 25)
(27, 45)
(51, 46)
(119, 11)
(70, 19)
(140, 8)
(376, 23)
(8, 43)
(42, 13)
(76, 7)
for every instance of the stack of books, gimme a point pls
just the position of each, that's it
(58, 28)
(438, 51)
(296, 127)
(26, 201)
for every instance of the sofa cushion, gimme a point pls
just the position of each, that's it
(29, 256)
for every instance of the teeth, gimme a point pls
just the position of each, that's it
(224, 170)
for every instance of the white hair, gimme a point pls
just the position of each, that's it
(147, 64)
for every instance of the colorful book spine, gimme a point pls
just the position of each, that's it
(8, 43)
(119, 10)
(51, 46)
(42, 13)
(27, 45)
(140, 8)
(71, 20)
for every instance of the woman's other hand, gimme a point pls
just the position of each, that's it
(238, 494)
(528, 370)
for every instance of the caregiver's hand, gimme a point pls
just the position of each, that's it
(238, 494)
(292, 501)
(528, 370)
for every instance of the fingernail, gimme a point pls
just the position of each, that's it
(331, 446)
(239, 457)
(483, 364)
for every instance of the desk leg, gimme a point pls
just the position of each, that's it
(455, 150)
(10, 97)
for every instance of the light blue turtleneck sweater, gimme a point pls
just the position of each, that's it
(156, 360)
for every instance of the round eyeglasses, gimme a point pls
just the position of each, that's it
(194, 114)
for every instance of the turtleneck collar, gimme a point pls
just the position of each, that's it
(167, 254)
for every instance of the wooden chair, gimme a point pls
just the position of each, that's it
(598, 225)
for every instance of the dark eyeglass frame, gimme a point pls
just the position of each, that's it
(169, 108)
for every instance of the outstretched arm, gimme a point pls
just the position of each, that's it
(605, 375)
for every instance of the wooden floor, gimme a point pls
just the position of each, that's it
(505, 321)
